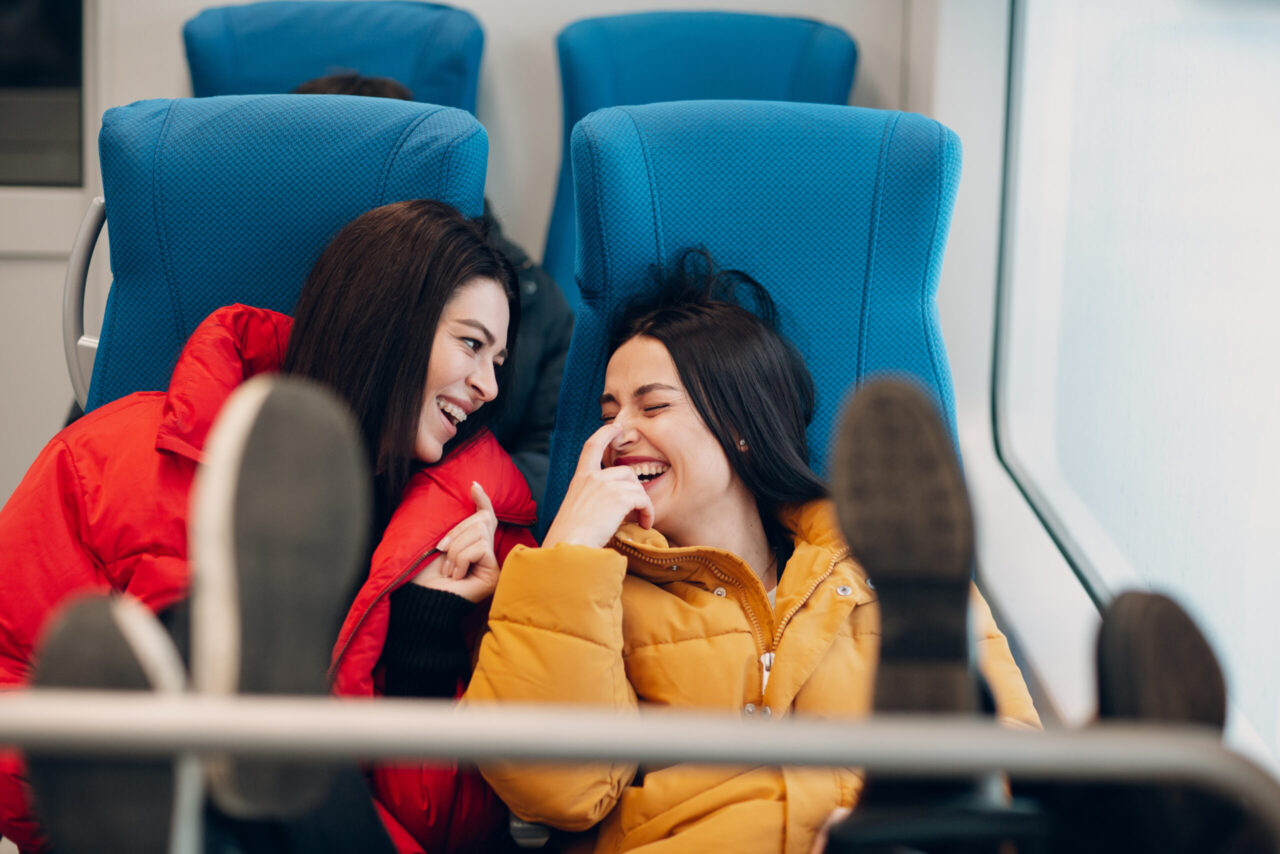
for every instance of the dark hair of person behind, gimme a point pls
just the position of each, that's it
(745, 380)
(366, 319)
(351, 83)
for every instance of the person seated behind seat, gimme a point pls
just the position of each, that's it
(546, 327)
(104, 508)
(696, 563)
(353, 83)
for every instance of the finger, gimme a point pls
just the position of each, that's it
(646, 512)
(466, 557)
(468, 527)
(457, 531)
(616, 474)
(433, 570)
(483, 504)
(641, 506)
(593, 449)
(459, 550)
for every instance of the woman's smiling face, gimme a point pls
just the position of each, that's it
(470, 344)
(664, 439)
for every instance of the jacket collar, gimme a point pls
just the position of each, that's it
(437, 498)
(229, 346)
(651, 557)
(237, 342)
(482, 460)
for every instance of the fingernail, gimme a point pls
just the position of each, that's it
(443, 544)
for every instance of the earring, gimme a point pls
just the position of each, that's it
(742, 444)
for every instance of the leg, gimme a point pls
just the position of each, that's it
(279, 522)
(108, 803)
(904, 511)
(905, 514)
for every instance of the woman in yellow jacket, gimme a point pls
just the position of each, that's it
(696, 563)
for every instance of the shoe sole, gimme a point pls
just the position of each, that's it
(110, 804)
(1154, 664)
(902, 506)
(280, 516)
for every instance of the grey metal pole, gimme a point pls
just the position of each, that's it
(73, 290)
(324, 728)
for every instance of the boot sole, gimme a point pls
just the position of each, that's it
(902, 506)
(113, 804)
(280, 516)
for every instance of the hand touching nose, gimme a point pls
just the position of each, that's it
(599, 499)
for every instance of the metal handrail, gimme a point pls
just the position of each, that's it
(73, 290)
(116, 723)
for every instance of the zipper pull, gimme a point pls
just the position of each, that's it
(766, 661)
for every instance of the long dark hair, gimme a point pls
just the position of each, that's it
(743, 377)
(367, 316)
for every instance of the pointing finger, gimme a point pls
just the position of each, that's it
(593, 449)
(481, 499)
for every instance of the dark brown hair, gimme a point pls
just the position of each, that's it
(367, 316)
(743, 377)
(351, 83)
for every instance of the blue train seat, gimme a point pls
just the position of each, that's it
(840, 212)
(213, 201)
(274, 47)
(679, 56)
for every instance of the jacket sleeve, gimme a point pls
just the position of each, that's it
(1013, 701)
(437, 808)
(43, 531)
(555, 636)
(16, 822)
(443, 807)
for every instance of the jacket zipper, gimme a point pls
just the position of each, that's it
(766, 662)
(786, 618)
(767, 657)
(723, 576)
(719, 573)
(355, 630)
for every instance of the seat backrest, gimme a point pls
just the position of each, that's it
(840, 212)
(212, 201)
(274, 47)
(649, 57)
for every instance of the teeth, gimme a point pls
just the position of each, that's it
(649, 469)
(457, 413)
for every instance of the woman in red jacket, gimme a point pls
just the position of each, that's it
(406, 316)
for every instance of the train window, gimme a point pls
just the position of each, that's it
(40, 92)
(1137, 404)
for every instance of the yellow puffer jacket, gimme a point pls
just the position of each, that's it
(692, 628)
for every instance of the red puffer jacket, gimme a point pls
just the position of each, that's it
(104, 507)
(437, 807)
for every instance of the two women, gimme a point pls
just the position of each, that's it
(407, 316)
(696, 563)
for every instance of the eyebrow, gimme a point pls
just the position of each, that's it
(484, 330)
(639, 392)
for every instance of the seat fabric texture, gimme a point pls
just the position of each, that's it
(650, 57)
(214, 201)
(262, 48)
(840, 212)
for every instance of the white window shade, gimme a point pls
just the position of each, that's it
(1139, 374)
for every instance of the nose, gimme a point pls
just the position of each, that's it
(484, 382)
(627, 436)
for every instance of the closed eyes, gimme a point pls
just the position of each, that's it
(606, 417)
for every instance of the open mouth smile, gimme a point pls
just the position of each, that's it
(648, 471)
(452, 413)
